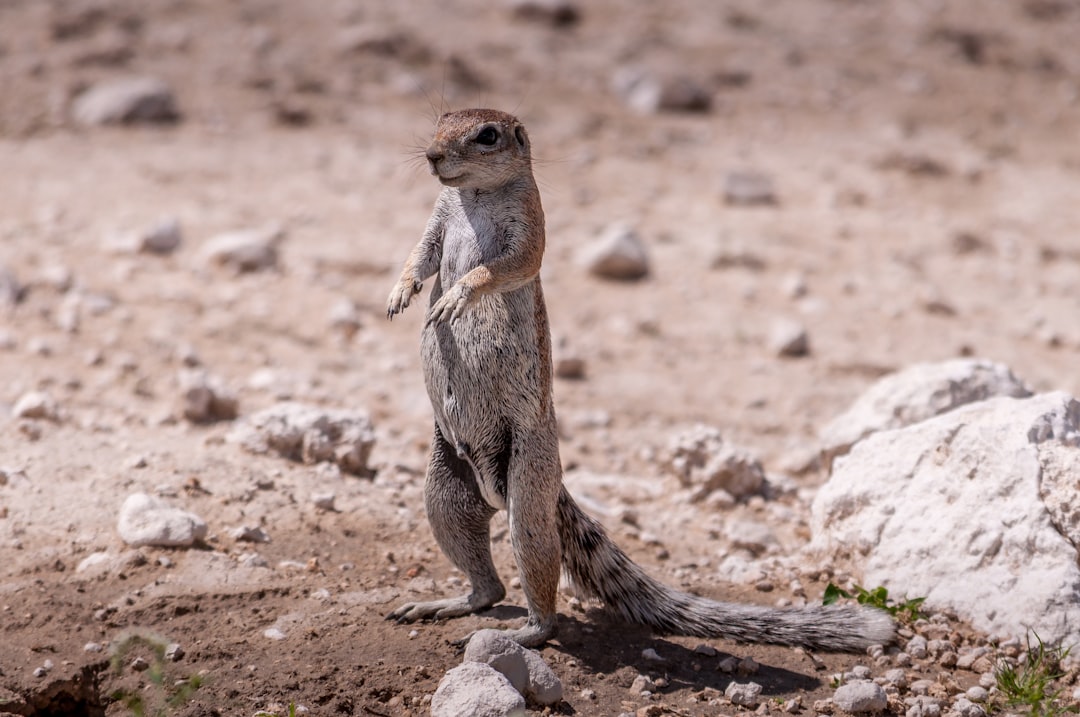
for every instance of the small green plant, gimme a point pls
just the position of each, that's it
(170, 696)
(1031, 685)
(265, 713)
(879, 598)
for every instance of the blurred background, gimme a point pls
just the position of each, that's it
(754, 211)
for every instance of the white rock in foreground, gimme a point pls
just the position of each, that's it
(525, 669)
(915, 394)
(309, 434)
(950, 509)
(145, 520)
(475, 689)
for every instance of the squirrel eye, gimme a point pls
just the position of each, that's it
(487, 137)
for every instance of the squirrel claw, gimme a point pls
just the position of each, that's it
(450, 305)
(400, 297)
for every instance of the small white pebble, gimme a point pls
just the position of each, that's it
(651, 655)
(324, 501)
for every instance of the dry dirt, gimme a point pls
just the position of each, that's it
(926, 161)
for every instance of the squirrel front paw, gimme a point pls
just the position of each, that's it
(401, 295)
(450, 305)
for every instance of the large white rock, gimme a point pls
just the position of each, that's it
(145, 520)
(475, 689)
(915, 394)
(974, 509)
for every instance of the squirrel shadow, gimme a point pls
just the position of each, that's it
(603, 644)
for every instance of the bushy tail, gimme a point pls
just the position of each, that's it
(599, 569)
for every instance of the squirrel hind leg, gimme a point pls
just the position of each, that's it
(460, 519)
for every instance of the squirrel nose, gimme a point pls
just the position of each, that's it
(434, 155)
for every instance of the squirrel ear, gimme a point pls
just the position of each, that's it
(519, 135)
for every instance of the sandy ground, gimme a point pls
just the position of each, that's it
(926, 164)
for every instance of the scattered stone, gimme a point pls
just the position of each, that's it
(967, 660)
(206, 398)
(387, 42)
(896, 677)
(569, 367)
(309, 434)
(56, 277)
(749, 189)
(966, 708)
(641, 684)
(916, 647)
(524, 669)
(11, 291)
(922, 507)
(35, 405)
(477, 689)
(556, 13)
(253, 560)
(494, 648)
(858, 673)
(748, 666)
(126, 101)
(923, 706)
(140, 664)
(702, 462)
(651, 655)
(162, 237)
(977, 693)
(653, 92)
(345, 317)
(744, 694)
(789, 339)
(706, 650)
(246, 250)
(545, 687)
(738, 257)
(174, 652)
(92, 647)
(145, 520)
(921, 687)
(858, 697)
(617, 254)
(250, 534)
(751, 535)
(274, 633)
(915, 394)
(324, 501)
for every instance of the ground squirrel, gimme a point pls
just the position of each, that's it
(486, 351)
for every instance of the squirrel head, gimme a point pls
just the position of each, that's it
(479, 149)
